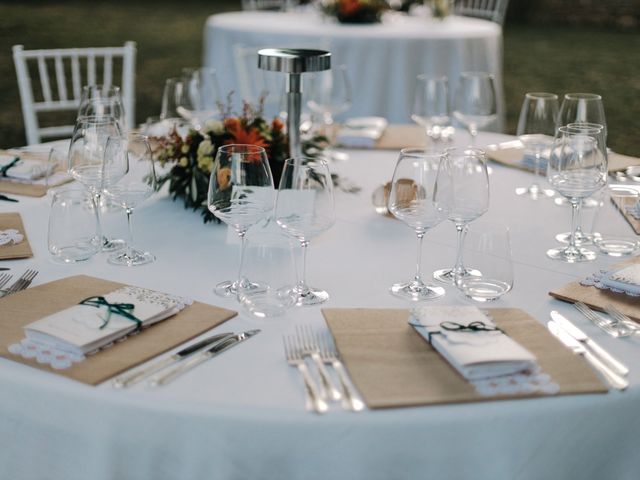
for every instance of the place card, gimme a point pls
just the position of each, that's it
(11, 250)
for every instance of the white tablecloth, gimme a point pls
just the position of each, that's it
(383, 60)
(241, 416)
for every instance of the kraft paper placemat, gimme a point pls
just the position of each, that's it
(631, 220)
(597, 298)
(512, 157)
(392, 365)
(25, 188)
(19, 250)
(34, 303)
(397, 137)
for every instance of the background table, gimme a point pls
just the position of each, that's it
(242, 415)
(383, 60)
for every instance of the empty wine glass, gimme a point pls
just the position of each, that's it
(475, 101)
(536, 131)
(431, 105)
(103, 100)
(577, 169)
(330, 95)
(129, 178)
(241, 193)
(419, 196)
(199, 98)
(304, 209)
(467, 168)
(85, 162)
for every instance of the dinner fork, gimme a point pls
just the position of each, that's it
(350, 398)
(294, 357)
(610, 327)
(310, 347)
(23, 282)
(621, 318)
(4, 278)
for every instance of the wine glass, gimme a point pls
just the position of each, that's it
(330, 95)
(129, 178)
(431, 105)
(536, 130)
(475, 101)
(581, 108)
(304, 209)
(577, 169)
(200, 96)
(469, 200)
(85, 162)
(103, 100)
(241, 193)
(419, 196)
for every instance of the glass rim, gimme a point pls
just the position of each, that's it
(462, 151)
(96, 119)
(101, 86)
(246, 147)
(582, 128)
(582, 96)
(420, 152)
(292, 160)
(432, 76)
(540, 95)
(477, 73)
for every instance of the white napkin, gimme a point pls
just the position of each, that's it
(362, 132)
(77, 329)
(474, 354)
(24, 169)
(626, 279)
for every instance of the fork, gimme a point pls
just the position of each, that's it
(621, 318)
(294, 357)
(4, 278)
(23, 282)
(310, 347)
(612, 328)
(350, 399)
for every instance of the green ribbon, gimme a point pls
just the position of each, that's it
(5, 168)
(475, 326)
(122, 309)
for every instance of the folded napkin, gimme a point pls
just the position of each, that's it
(626, 279)
(98, 321)
(362, 132)
(15, 167)
(471, 342)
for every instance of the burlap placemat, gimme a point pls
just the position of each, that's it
(34, 303)
(12, 220)
(393, 366)
(397, 137)
(623, 208)
(597, 298)
(36, 189)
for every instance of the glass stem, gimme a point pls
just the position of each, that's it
(575, 214)
(418, 277)
(96, 203)
(473, 130)
(302, 283)
(578, 229)
(536, 172)
(461, 232)
(129, 212)
(243, 244)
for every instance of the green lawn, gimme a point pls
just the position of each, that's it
(169, 35)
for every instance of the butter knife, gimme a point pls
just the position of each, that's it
(581, 337)
(163, 378)
(615, 380)
(133, 377)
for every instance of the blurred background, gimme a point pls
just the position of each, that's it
(549, 45)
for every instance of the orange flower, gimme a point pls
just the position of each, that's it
(223, 176)
(349, 7)
(277, 125)
(246, 136)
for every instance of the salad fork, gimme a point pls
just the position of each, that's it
(350, 399)
(294, 357)
(4, 278)
(23, 282)
(310, 347)
(621, 318)
(614, 329)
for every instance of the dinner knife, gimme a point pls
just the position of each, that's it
(165, 377)
(133, 377)
(580, 336)
(615, 380)
(7, 199)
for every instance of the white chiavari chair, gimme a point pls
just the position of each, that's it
(493, 10)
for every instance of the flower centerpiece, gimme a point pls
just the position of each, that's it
(441, 8)
(354, 11)
(190, 159)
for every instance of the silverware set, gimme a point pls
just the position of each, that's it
(617, 324)
(20, 284)
(306, 349)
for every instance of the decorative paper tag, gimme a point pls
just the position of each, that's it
(625, 280)
(10, 236)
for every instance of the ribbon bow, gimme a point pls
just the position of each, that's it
(122, 309)
(5, 168)
(475, 326)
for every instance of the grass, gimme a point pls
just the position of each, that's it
(169, 35)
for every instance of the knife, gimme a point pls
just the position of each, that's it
(8, 199)
(165, 377)
(130, 378)
(580, 336)
(615, 380)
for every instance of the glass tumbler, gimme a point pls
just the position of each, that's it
(73, 226)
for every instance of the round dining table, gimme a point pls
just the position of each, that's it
(242, 415)
(383, 59)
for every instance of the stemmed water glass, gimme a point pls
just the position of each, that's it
(304, 209)
(420, 197)
(85, 162)
(431, 105)
(536, 131)
(199, 97)
(474, 103)
(103, 100)
(467, 168)
(577, 169)
(241, 193)
(129, 178)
